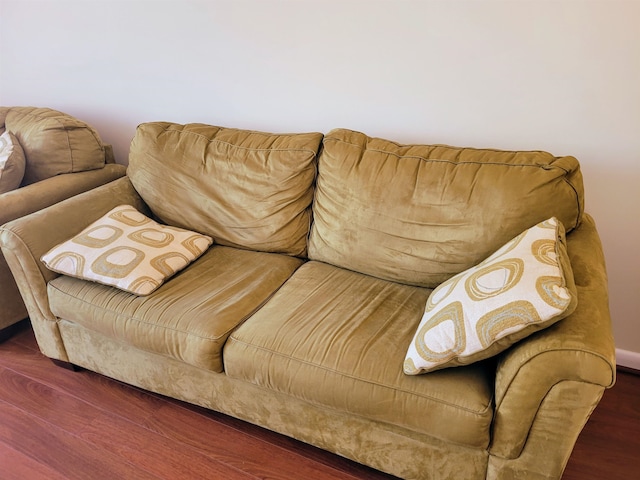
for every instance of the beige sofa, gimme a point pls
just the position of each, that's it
(326, 251)
(55, 156)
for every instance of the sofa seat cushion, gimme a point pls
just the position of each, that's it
(190, 316)
(338, 338)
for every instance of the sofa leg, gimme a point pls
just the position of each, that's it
(65, 365)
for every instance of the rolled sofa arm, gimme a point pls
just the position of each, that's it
(39, 195)
(548, 385)
(26, 239)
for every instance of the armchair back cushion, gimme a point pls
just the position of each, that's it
(419, 214)
(244, 188)
(53, 142)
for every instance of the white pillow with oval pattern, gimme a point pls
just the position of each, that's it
(128, 250)
(12, 162)
(525, 286)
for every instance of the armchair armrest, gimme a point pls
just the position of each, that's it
(548, 385)
(36, 196)
(26, 239)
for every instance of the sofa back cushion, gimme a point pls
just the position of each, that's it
(419, 214)
(53, 142)
(243, 188)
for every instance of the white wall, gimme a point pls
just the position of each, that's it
(557, 75)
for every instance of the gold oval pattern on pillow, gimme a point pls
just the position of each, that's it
(450, 319)
(195, 244)
(551, 291)
(127, 250)
(526, 285)
(497, 323)
(98, 237)
(130, 217)
(506, 248)
(544, 251)
(144, 284)
(494, 279)
(169, 263)
(152, 237)
(441, 293)
(117, 262)
(70, 262)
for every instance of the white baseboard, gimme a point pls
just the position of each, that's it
(628, 359)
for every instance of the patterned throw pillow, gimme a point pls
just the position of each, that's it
(12, 163)
(525, 286)
(128, 250)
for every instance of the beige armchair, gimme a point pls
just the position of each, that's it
(45, 156)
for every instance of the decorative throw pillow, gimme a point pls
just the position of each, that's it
(128, 250)
(12, 162)
(525, 286)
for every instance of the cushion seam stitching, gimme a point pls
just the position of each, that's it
(543, 166)
(214, 140)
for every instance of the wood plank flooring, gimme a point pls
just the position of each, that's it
(59, 424)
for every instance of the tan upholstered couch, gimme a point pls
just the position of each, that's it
(298, 318)
(57, 156)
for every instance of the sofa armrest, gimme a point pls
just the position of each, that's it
(26, 239)
(34, 197)
(578, 352)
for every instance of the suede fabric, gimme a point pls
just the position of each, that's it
(25, 239)
(63, 157)
(189, 317)
(419, 214)
(320, 359)
(552, 434)
(53, 142)
(32, 198)
(338, 338)
(244, 188)
(574, 349)
(12, 308)
(383, 446)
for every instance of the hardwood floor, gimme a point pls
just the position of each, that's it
(59, 424)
